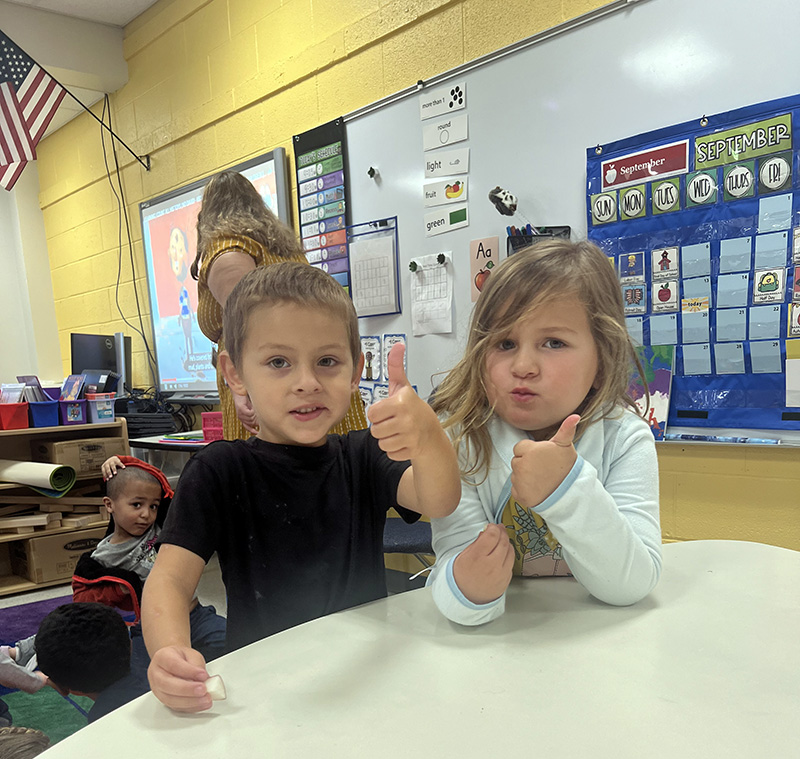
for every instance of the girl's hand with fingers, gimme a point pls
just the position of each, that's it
(539, 467)
(483, 569)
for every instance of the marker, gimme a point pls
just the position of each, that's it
(721, 439)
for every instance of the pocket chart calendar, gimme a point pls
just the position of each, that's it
(700, 220)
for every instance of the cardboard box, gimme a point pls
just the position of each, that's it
(85, 456)
(52, 557)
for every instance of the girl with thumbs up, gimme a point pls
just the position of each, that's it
(559, 470)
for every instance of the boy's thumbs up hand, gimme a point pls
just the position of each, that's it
(539, 467)
(395, 369)
(402, 423)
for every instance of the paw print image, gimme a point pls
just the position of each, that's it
(456, 96)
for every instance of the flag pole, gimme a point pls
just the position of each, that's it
(144, 160)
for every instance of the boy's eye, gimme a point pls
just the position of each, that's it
(278, 363)
(328, 361)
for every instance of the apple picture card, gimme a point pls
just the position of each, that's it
(665, 296)
(484, 255)
(432, 294)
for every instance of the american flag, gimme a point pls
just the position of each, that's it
(29, 98)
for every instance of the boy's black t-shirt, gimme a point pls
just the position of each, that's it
(299, 530)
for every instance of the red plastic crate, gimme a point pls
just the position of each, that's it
(212, 425)
(13, 416)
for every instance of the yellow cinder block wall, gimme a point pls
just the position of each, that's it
(213, 82)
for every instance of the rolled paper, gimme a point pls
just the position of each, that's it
(52, 480)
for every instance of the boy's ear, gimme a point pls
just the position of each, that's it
(107, 503)
(229, 371)
(359, 367)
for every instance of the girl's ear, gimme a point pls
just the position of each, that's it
(231, 374)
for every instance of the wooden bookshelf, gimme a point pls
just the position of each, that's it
(16, 445)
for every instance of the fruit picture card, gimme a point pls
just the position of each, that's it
(484, 255)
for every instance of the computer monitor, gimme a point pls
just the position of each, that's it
(98, 353)
(169, 235)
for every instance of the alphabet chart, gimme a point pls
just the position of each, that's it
(702, 222)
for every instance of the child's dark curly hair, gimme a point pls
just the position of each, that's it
(83, 647)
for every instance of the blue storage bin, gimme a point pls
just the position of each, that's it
(72, 412)
(45, 413)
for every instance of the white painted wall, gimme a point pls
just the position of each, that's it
(18, 350)
(28, 332)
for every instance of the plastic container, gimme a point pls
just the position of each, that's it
(212, 425)
(45, 413)
(101, 407)
(72, 412)
(13, 416)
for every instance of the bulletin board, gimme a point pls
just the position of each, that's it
(700, 221)
(533, 109)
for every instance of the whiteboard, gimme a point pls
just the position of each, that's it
(533, 112)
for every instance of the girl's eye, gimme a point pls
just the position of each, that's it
(553, 343)
(506, 345)
(328, 361)
(278, 363)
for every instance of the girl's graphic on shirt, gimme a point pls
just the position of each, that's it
(537, 553)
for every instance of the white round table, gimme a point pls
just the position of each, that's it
(707, 666)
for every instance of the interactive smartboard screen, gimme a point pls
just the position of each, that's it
(169, 234)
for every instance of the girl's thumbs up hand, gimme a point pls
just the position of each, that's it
(539, 467)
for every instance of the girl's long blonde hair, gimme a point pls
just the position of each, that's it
(231, 207)
(545, 272)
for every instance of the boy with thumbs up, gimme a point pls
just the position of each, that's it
(296, 515)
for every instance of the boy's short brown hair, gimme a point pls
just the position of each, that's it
(124, 478)
(286, 282)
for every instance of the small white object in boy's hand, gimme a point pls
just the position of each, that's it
(216, 688)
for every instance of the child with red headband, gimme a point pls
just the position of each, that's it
(137, 497)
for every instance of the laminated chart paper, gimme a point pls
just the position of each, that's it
(702, 222)
(432, 294)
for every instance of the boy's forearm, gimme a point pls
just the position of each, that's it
(165, 614)
(437, 480)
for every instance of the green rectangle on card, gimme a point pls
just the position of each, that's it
(458, 216)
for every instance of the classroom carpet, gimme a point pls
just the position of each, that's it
(46, 710)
